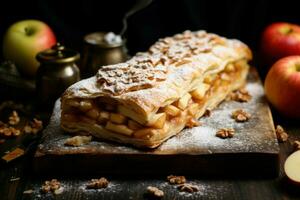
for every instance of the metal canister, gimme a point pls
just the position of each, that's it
(97, 52)
(57, 71)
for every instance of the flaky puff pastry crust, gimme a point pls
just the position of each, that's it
(171, 68)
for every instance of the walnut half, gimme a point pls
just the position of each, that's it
(186, 187)
(240, 115)
(97, 183)
(225, 133)
(282, 136)
(176, 179)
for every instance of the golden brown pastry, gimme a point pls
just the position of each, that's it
(155, 94)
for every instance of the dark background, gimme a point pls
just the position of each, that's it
(71, 20)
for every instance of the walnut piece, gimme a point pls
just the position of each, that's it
(241, 95)
(240, 115)
(9, 131)
(77, 141)
(225, 133)
(14, 118)
(33, 127)
(282, 136)
(52, 186)
(97, 183)
(155, 192)
(176, 179)
(186, 187)
(296, 145)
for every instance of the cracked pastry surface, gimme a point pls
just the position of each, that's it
(155, 94)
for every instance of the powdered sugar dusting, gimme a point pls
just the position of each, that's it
(255, 135)
(249, 136)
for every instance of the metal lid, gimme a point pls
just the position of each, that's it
(99, 39)
(58, 54)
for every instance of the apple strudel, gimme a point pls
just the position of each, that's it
(155, 94)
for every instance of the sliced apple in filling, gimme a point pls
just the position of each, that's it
(158, 120)
(103, 117)
(183, 101)
(200, 91)
(134, 125)
(171, 110)
(117, 118)
(122, 129)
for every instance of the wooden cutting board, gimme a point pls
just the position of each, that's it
(253, 151)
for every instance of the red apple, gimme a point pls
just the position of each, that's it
(23, 40)
(282, 86)
(279, 40)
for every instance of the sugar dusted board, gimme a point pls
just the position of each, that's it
(253, 151)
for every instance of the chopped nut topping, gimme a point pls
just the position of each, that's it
(241, 95)
(282, 136)
(97, 183)
(192, 122)
(78, 140)
(14, 118)
(144, 70)
(33, 127)
(176, 179)
(240, 115)
(186, 187)
(130, 76)
(296, 145)
(52, 186)
(155, 192)
(225, 133)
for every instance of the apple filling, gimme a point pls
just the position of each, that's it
(119, 119)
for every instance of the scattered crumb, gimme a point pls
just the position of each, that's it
(296, 145)
(78, 140)
(240, 115)
(282, 136)
(192, 122)
(28, 191)
(52, 186)
(225, 133)
(241, 95)
(176, 179)
(97, 183)
(155, 192)
(14, 118)
(186, 187)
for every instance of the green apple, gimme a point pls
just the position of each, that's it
(23, 40)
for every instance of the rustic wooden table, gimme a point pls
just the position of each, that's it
(17, 177)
